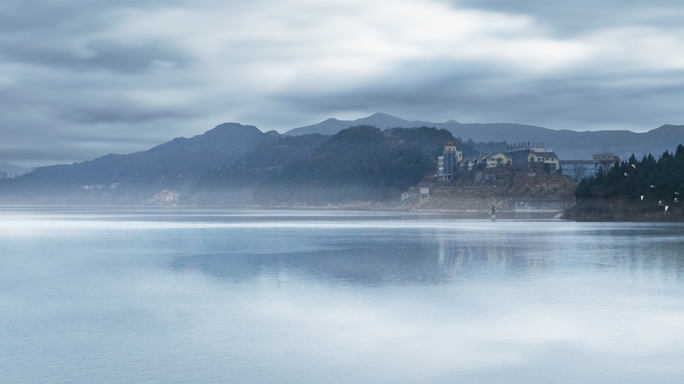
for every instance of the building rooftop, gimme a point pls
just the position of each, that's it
(545, 154)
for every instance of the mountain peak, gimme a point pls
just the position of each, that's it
(225, 127)
(378, 119)
(381, 114)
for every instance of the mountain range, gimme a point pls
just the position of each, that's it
(335, 160)
(239, 164)
(379, 120)
(12, 170)
(567, 144)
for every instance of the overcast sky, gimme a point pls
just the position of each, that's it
(80, 79)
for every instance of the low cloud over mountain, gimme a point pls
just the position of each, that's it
(78, 80)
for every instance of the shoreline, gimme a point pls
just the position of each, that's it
(623, 210)
(574, 214)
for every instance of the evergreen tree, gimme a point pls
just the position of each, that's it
(659, 180)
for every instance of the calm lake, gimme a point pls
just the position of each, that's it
(147, 295)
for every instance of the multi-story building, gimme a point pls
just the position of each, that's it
(472, 162)
(533, 156)
(497, 159)
(543, 161)
(604, 161)
(519, 153)
(448, 163)
(529, 155)
(579, 169)
(490, 160)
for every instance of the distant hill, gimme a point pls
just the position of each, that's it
(569, 145)
(168, 165)
(378, 120)
(11, 170)
(360, 163)
(238, 164)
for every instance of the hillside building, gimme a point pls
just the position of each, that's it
(534, 156)
(448, 163)
(577, 169)
(417, 194)
(520, 153)
(490, 160)
(497, 159)
(166, 197)
(472, 162)
(604, 161)
(543, 161)
(528, 155)
(580, 169)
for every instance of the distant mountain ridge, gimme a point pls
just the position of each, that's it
(177, 159)
(379, 120)
(569, 145)
(239, 164)
(365, 162)
(12, 169)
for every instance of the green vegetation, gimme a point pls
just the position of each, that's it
(360, 163)
(634, 190)
(472, 148)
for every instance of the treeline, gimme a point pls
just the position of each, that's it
(471, 148)
(634, 190)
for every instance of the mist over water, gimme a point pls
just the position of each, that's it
(185, 296)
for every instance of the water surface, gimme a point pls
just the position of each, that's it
(188, 296)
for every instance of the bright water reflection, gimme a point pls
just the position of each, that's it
(180, 296)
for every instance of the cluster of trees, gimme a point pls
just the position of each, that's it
(471, 148)
(358, 163)
(650, 182)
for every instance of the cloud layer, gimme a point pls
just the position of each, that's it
(79, 81)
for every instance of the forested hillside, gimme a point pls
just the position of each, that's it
(358, 163)
(634, 190)
(235, 164)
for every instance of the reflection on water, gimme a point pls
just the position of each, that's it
(185, 296)
(401, 256)
(368, 265)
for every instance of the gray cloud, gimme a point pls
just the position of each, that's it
(67, 16)
(116, 114)
(484, 93)
(103, 56)
(65, 35)
(568, 17)
(79, 80)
